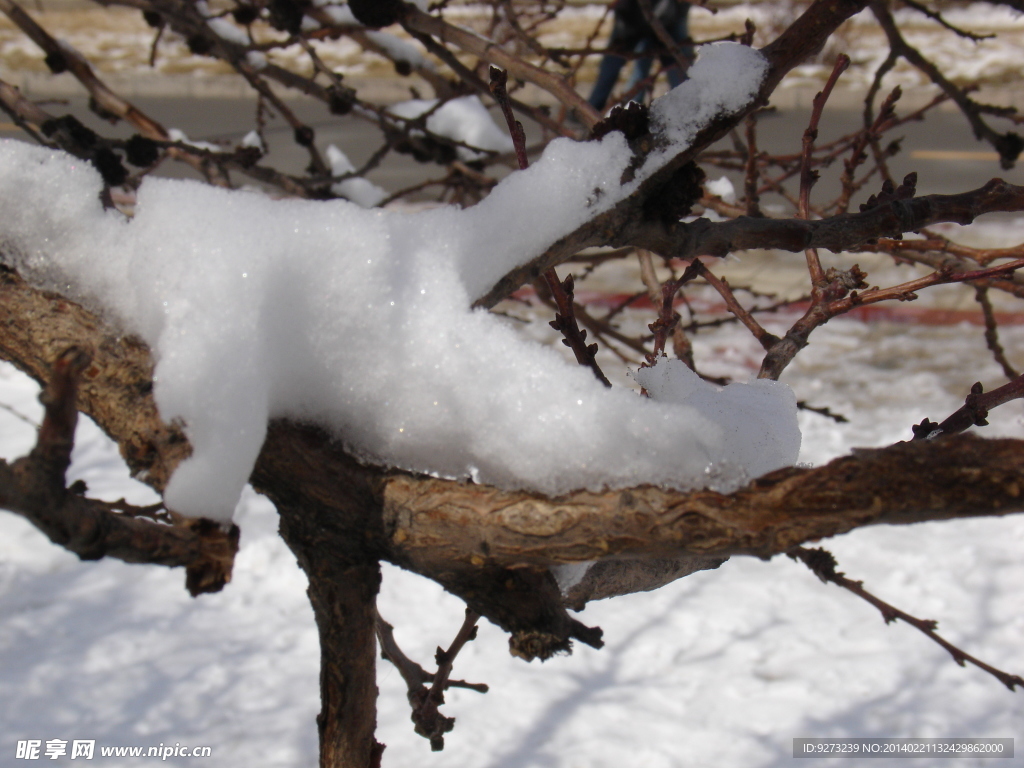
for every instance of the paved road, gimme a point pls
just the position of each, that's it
(942, 150)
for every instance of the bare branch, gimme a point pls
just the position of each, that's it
(416, 20)
(925, 10)
(992, 332)
(1008, 145)
(961, 476)
(61, 57)
(974, 412)
(33, 487)
(764, 338)
(430, 723)
(823, 564)
(838, 233)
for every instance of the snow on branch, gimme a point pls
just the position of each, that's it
(360, 320)
(469, 537)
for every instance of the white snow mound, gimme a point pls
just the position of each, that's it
(360, 320)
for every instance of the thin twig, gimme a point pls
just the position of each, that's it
(823, 564)
(764, 338)
(808, 176)
(415, 20)
(750, 176)
(908, 291)
(561, 291)
(974, 412)
(992, 332)
(668, 318)
(1008, 145)
(428, 720)
(499, 79)
(934, 16)
(868, 135)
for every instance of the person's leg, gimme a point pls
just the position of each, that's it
(675, 75)
(641, 70)
(607, 74)
(680, 33)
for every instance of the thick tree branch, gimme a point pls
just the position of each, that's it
(627, 225)
(838, 233)
(474, 539)
(34, 487)
(435, 522)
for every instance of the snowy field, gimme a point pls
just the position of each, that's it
(722, 668)
(118, 42)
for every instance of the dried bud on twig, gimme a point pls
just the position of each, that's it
(633, 120)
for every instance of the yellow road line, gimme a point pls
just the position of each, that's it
(951, 154)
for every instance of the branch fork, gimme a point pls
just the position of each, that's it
(34, 487)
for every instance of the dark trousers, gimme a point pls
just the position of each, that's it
(611, 66)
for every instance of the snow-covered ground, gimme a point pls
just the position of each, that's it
(118, 42)
(722, 668)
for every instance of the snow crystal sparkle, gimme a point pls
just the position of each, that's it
(360, 320)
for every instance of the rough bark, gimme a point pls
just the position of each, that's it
(435, 521)
(330, 519)
(36, 327)
(34, 486)
(343, 596)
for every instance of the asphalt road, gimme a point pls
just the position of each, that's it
(942, 150)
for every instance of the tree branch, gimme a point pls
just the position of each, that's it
(823, 564)
(414, 20)
(837, 233)
(475, 540)
(1008, 145)
(33, 486)
(435, 521)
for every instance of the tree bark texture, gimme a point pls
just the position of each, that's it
(434, 521)
(343, 596)
(330, 519)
